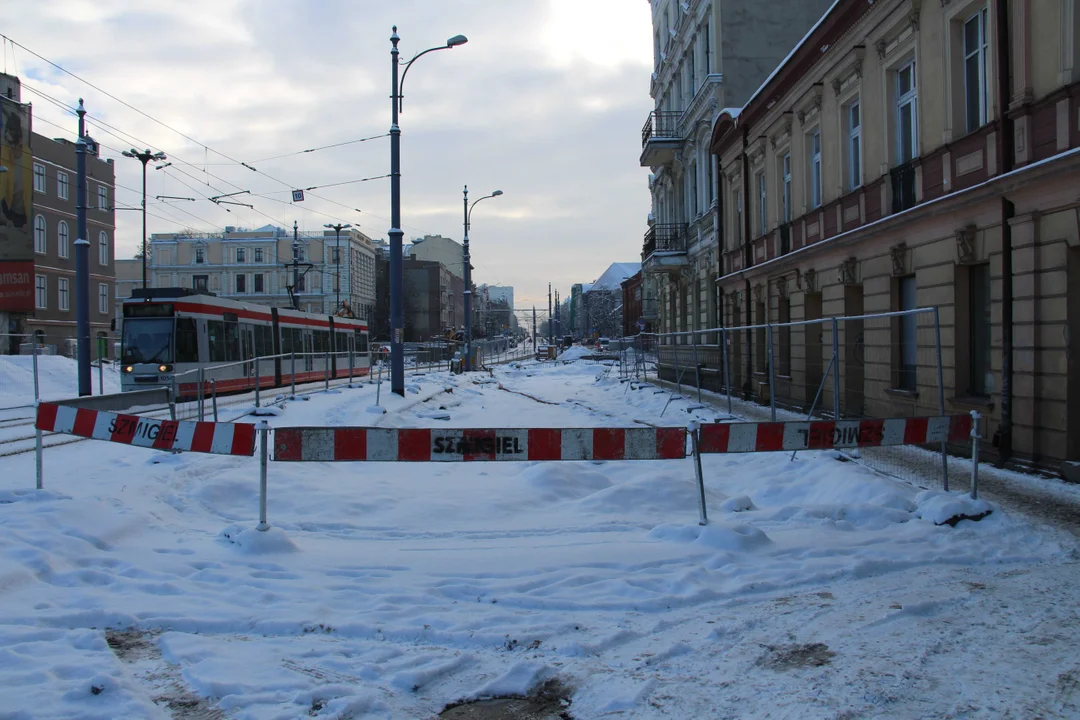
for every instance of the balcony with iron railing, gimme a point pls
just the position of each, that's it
(902, 180)
(660, 138)
(664, 249)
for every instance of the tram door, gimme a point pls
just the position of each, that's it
(309, 351)
(247, 349)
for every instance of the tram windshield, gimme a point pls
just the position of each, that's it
(148, 340)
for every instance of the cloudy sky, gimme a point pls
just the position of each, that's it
(545, 102)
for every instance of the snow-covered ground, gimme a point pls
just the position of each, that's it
(817, 590)
(57, 379)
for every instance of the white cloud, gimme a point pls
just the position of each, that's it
(546, 102)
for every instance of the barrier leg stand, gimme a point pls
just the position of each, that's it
(975, 437)
(727, 367)
(293, 373)
(694, 428)
(941, 399)
(202, 396)
(836, 368)
(101, 376)
(771, 360)
(172, 402)
(697, 367)
(264, 435)
(213, 397)
(37, 433)
(351, 358)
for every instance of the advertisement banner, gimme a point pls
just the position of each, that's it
(16, 182)
(17, 286)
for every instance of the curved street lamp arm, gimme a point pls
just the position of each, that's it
(474, 203)
(407, 64)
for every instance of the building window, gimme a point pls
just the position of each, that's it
(854, 142)
(103, 299)
(909, 348)
(62, 293)
(738, 219)
(787, 186)
(103, 248)
(907, 115)
(259, 283)
(41, 292)
(39, 178)
(62, 185)
(102, 197)
(41, 244)
(976, 48)
(241, 255)
(200, 256)
(981, 378)
(762, 219)
(815, 169)
(258, 255)
(241, 283)
(199, 283)
(62, 238)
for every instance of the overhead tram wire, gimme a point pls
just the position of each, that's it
(127, 138)
(174, 159)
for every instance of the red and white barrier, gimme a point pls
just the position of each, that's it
(203, 437)
(319, 444)
(824, 435)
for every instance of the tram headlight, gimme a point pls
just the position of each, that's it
(164, 368)
(128, 369)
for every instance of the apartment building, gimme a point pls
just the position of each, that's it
(55, 230)
(708, 55)
(334, 274)
(918, 153)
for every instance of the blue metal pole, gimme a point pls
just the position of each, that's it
(82, 261)
(397, 299)
(468, 288)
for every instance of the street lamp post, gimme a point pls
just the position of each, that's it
(337, 265)
(144, 157)
(468, 275)
(397, 297)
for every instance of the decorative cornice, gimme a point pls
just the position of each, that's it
(899, 253)
(847, 272)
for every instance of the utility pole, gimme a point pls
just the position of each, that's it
(551, 330)
(534, 327)
(82, 259)
(143, 157)
(337, 264)
(295, 266)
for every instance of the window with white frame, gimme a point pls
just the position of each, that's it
(40, 241)
(763, 222)
(103, 298)
(814, 168)
(258, 255)
(41, 292)
(853, 119)
(103, 248)
(62, 188)
(785, 175)
(62, 238)
(102, 197)
(200, 256)
(39, 178)
(907, 114)
(241, 255)
(62, 295)
(976, 49)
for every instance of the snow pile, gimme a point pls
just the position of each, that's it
(57, 379)
(574, 352)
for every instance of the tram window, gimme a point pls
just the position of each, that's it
(342, 341)
(361, 342)
(215, 332)
(187, 341)
(321, 341)
(232, 342)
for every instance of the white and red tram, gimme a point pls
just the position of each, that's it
(168, 332)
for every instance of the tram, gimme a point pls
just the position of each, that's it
(169, 332)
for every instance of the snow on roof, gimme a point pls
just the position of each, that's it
(615, 274)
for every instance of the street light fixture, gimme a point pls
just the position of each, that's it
(144, 157)
(337, 228)
(468, 274)
(397, 298)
